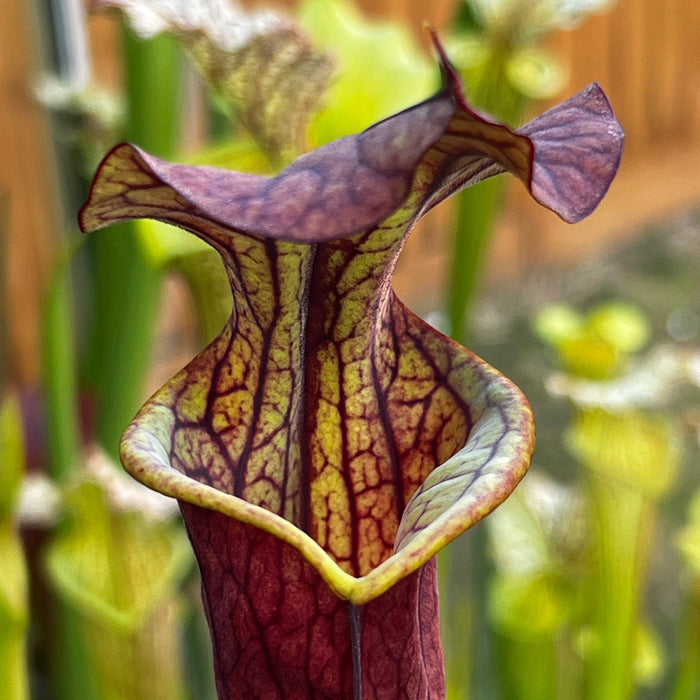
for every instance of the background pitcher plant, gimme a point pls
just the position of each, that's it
(328, 442)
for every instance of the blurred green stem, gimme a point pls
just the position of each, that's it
(72, 676)
(14, 671)
(469, 644)
(14, 609)
(153, 77)
(529, 669)
(127, 288)
(457, 612)
(622, 524)
(488, 89)
(59, 370)
(476, 212)
(687, 685)
(69, 672)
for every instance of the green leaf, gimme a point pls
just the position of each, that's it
(114, 566)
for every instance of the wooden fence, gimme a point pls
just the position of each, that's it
(645, 53)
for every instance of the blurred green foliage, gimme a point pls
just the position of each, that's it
(597, 345)
(546, 601)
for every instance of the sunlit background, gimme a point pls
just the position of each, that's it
(583, 585)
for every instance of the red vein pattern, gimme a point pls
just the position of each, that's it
(286, 635)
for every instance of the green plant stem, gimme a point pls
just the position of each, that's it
(14, 581)
(528, 668)
(470, 656)
(476, 213)
(687, 683)
(153, 90)
(489, 89)
(14, 669)
(127, 292)
(59, 375)
(622, 523)
(72, 675)
(127, 288)
(457, 612)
